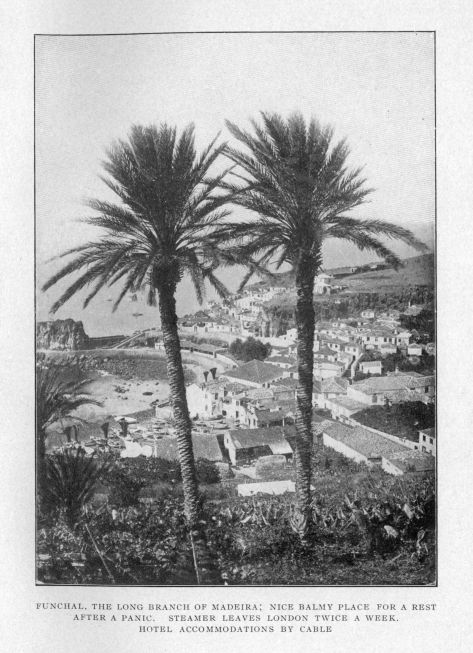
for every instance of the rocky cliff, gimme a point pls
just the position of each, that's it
(61, 335)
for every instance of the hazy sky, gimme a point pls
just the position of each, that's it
(375, 89)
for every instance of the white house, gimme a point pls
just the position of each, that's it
(203, 399)
(414, 349)
(326, 369)
(285, 362)
(322, 284)
(373, 338)
(334, 343)
(326, 389)
(324, 353)
(353, 348)
(402, 338)
(371, 367)
(428, 441)
(206, 399)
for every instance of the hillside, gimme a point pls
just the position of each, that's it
(417, 271)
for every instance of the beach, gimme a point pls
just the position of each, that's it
(127, 381)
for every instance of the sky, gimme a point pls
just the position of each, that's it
(375, 89)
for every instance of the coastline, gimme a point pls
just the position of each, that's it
(124, 394)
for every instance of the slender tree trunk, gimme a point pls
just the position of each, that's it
(206, 571)
(172, 347)
(305, 320)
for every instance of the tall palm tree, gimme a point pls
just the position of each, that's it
(56, 398)
(164, 226)
(296, 179)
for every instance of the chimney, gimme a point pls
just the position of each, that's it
(213, 372)
(206, 375)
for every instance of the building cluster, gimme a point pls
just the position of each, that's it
(255, 402)
(239, 316)
(243, 315)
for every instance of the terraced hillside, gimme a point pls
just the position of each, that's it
(417, 271)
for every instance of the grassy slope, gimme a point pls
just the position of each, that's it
(417, 271)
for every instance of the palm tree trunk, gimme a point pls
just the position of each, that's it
(305, 321)
(172, 347)
(206, 571)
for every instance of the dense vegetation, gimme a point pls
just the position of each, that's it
(369, 528)
(403, 420)
(210, 341)
(345, 304)
(249, 349)
(381, 533)
(424, 364)
(423, 323)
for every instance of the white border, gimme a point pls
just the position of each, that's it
(25, 629)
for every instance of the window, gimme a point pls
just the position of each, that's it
(431, 441)
(424, 438)
(423, 448)
(426, 389)
(373, 399)
(237, 413)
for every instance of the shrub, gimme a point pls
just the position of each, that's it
(207, 471)
(124, 487)
(129, 476)
(249, 350)
(71, 478)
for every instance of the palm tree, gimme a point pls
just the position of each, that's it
(56, 398)
(164, 226)
(297, 181)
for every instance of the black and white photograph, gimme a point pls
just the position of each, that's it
(235, 309)
(235, 315)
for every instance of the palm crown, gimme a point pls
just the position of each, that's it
(57, 396)
(298, 182)
(164, 225)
